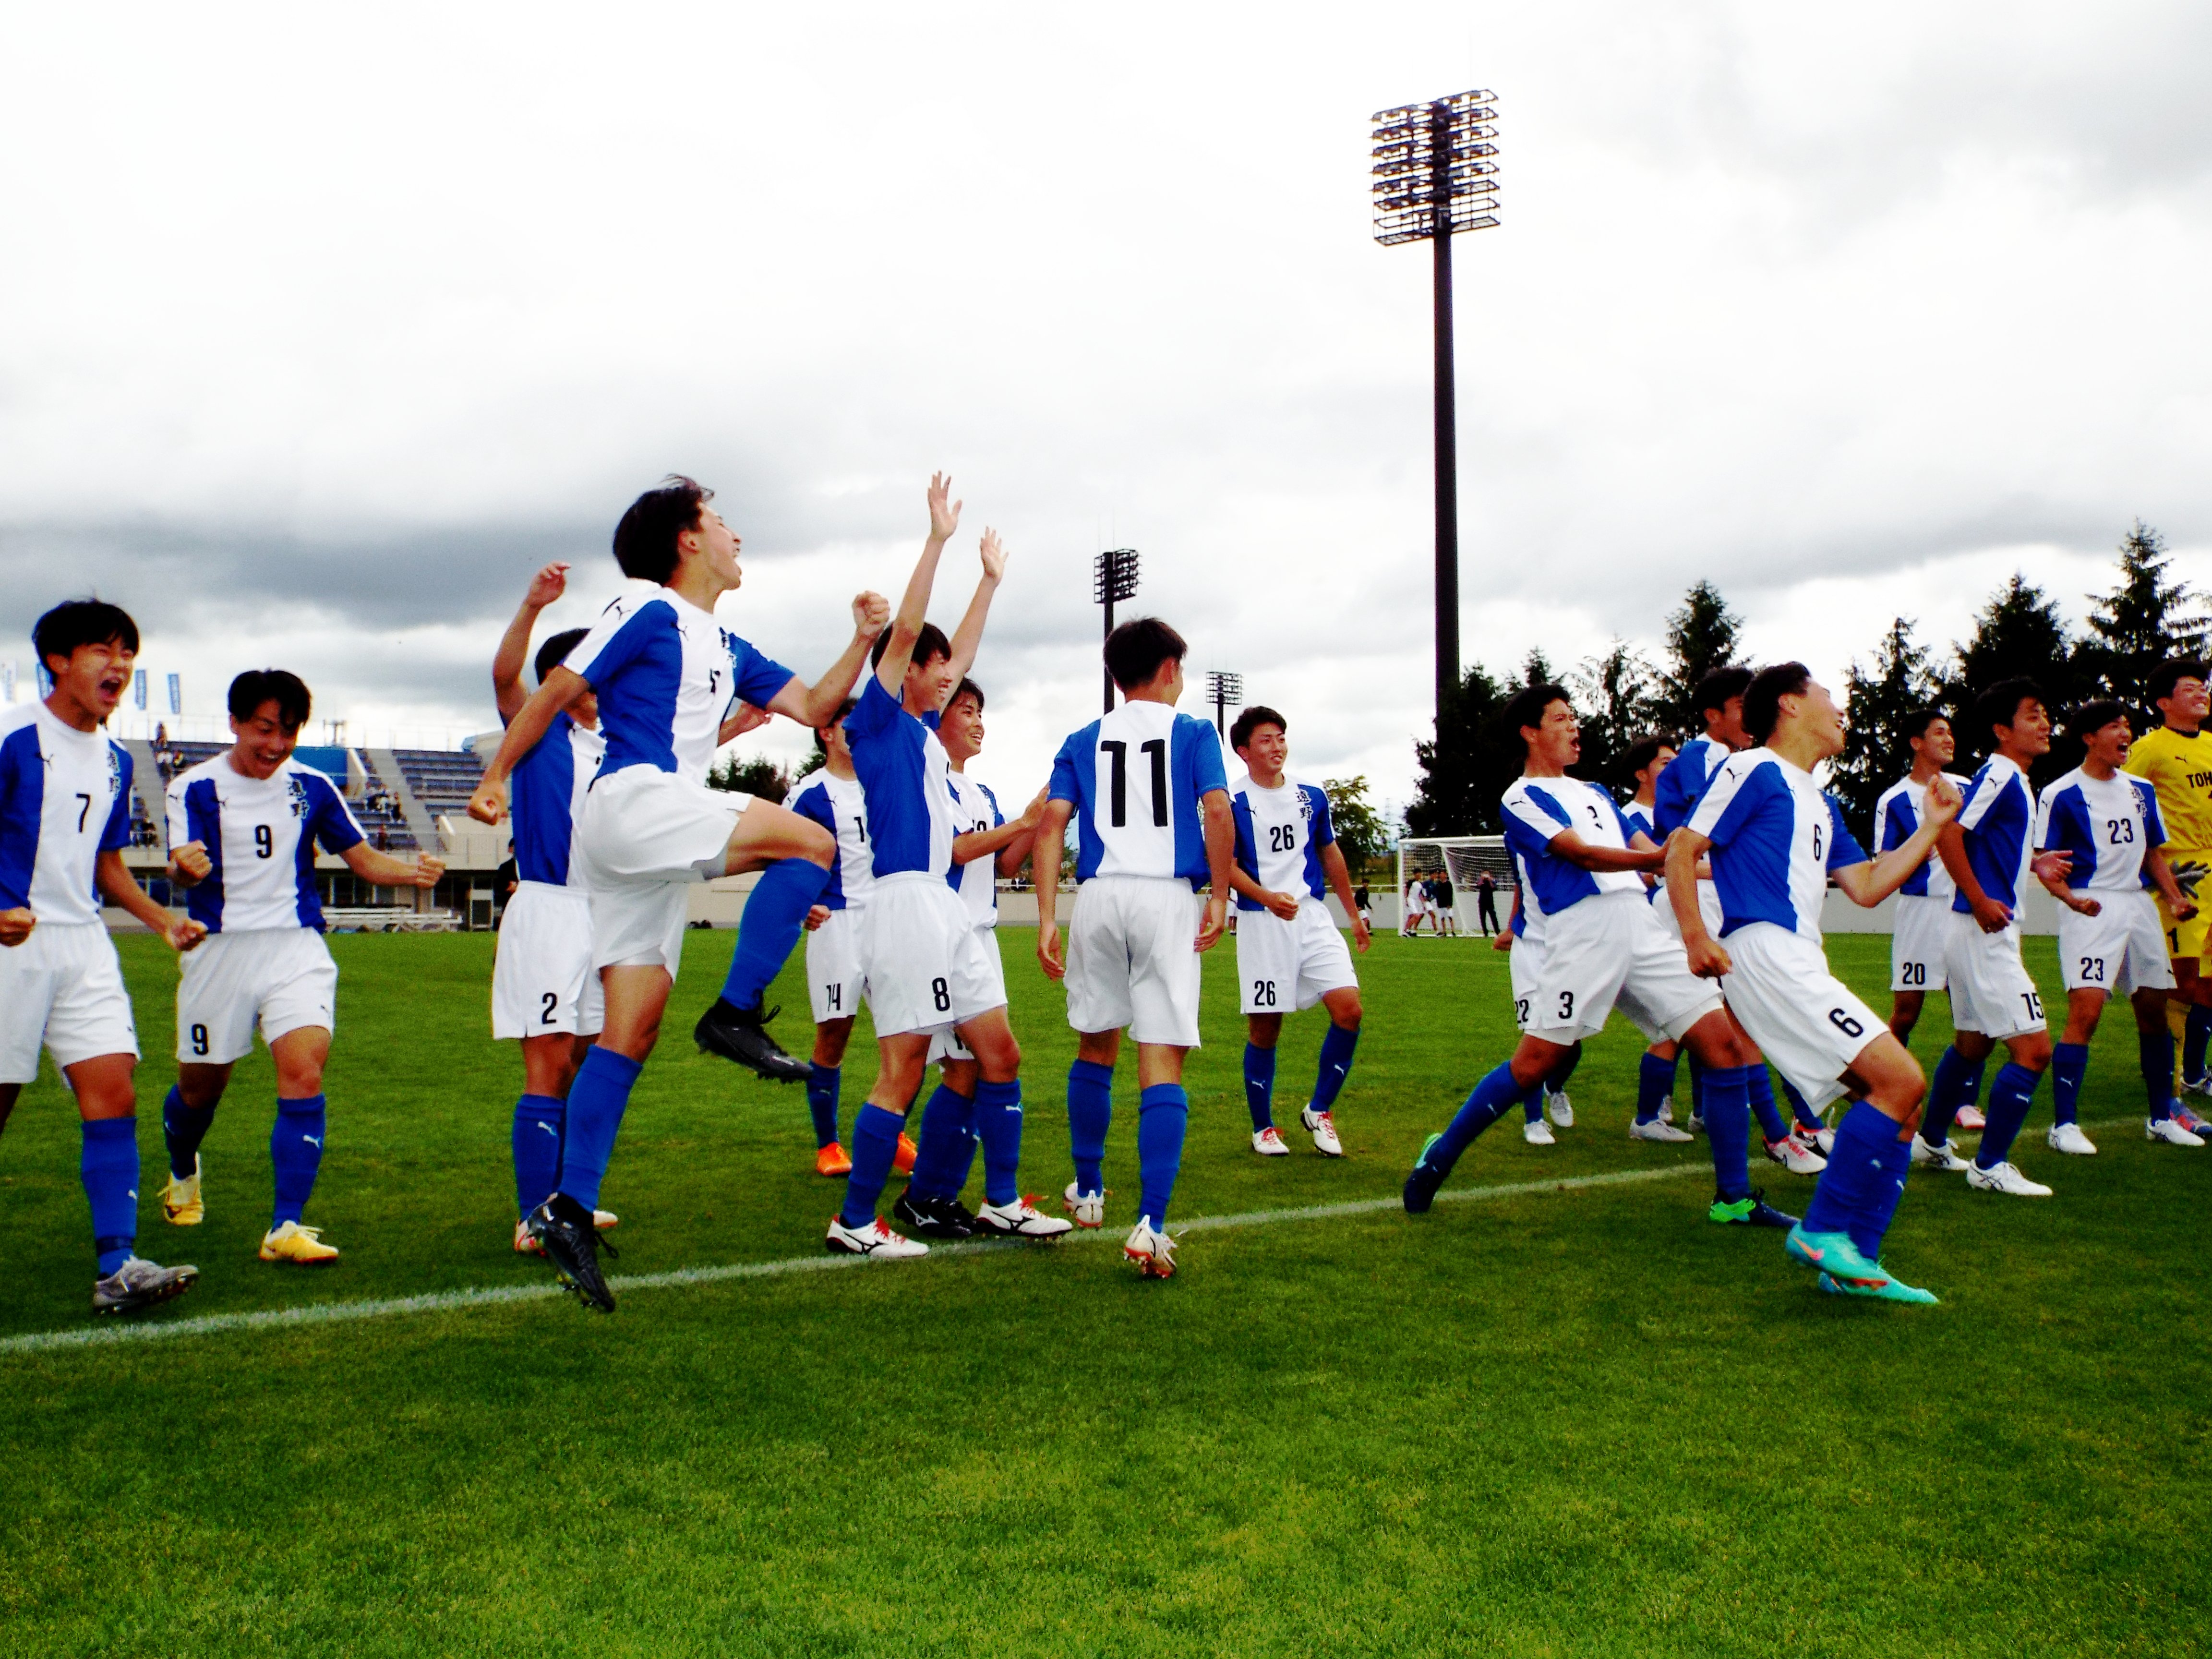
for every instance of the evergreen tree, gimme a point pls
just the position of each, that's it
(2139, 624)
(1469, 764)
(2019, 633)
(1702, 635)
(1617, 695)
(1900, 681)
(1361, 835)
(758, 776)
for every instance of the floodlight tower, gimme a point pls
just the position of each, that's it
(1113, 576)
(1435, 172)
(1221, 690)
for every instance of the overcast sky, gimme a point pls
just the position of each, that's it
(318, 331)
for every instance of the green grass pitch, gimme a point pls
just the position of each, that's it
(1574, 1421)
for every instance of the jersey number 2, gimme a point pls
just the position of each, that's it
(1118, 786)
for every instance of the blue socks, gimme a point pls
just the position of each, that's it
(776, 912)
(296, 1152)
(1955, 1085)
(942, 1148)
(1655, 1085)
(1090, 1111)
(2009, 1094)
(1492, 1099)
(1259, 1086)
(597, 1100)
(184, 1127)
(108, 1163)
(1858, 1191)
(875, 1146)
(1805, 1117)
(1728, 1128)
(1163, 1115)
(822, 1084)
(1336, 1049)
(999, 1126)
(2069, 1064)
(2156, 1052)
(1761, 1093)
(2199, 1028)
(538, 1121)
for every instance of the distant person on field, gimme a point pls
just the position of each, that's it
(1485, 903)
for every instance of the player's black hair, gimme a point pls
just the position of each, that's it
(1528, 704)
(1640, 753)
(554, 651)
(2167, 674)
(1999, 704)
(2095, 717)
(75, 622)
(1138, 650)
(967, 688)
(286, 689)
(1714, 691)
(1916, 724)
(929, 642)
(1763, 696)
(645, 539)
(1242, 728)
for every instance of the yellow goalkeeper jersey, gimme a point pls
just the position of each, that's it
(2180, 770)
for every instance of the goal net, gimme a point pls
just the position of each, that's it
(1459, 859)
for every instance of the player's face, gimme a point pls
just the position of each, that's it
(94, 676)
(2189, 704)
(1266, 750)
(1731, 730)
(1649, 775)
(929, 684)
(718, 545)
(1938, 743)
(1821, 719)
(1559, 740)
(961, 730)
(2108, 745)
(2030, 728)
(834, 743)
(264, 744)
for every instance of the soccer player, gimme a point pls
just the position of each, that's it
(2109, 932)
(243, 829)
(64, 820)
(1923, 903)
(1289, 953)
(1524, 940)
(1150, 798)
(1602, 946)
(1416, 907)
(1990, 850)
(1645, 761)
(2176, 757)
(666, 675)
(1775, 841)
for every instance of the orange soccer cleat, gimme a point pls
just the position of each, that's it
(903, 1161)
(832, 1160)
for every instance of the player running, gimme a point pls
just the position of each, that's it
(666, 675)
(243, 829)
(1150, 798)
(1776, 840)
(64, 821)
(1289, 953)
(2109, 937)
(2176, 759)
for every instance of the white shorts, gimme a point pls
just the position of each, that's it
(926, 970)
(2121, 949)
(1133, 960)
(63, 987)
(1282, 965)
(542, 979)
(946, 1044)
(1611, 949)
(1916, 947)
(1806, 1021)
(1708, 907)
(1526, 957)
(281, 978)
(834, 983)
(1990, 991)
(646, 837)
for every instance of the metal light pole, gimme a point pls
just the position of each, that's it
(1434, 174)
(1221, 690)
(1113, 576)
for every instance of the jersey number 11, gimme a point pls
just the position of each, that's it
(1158, 749)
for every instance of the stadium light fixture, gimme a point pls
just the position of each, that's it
(1221, 690)
(1113, 576)
(1436, 173)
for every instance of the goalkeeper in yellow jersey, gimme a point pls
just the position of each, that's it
(2176, 759)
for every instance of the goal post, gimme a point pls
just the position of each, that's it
(1459, 859)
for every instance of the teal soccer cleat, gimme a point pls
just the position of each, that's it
(1421, 1185)
(1890, 1290)
(1833, 1254)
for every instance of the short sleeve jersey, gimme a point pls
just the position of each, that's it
(667, 675)
(974, 807)
(902, 769)
(65, 800)
(1536, 811)
(1684, 780)
(1998, 822)
(840, 806)
(549, 785)
(261, 836)
(1897, 819)
(2179, 768)
(1774, 834)
(2108, 824)
(1638, 817)
(1135, 778)
(1280, 836)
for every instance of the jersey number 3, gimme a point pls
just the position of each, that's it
(1118, 786)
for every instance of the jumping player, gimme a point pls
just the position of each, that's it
(2109, 933)
(1289, 953)
(1775, 841)
(64, 821)
(1150, 798)
(2176, 759)
(243, 829)
(1923, 903)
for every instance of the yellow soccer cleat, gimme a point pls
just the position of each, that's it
(292, 1242)
(180, 1199)
(525, 1242)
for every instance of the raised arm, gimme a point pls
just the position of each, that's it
(812, 706)
(973, 844)
(914, 604)
(513, 653)
(488, 804)
(1868, 885)
(967, 638)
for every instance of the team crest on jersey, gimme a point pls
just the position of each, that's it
(1305, 805)
(114, 771)
(296, 787)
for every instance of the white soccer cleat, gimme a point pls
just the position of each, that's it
(1089, 1209)
(1795, 1156)
(1971, 1120)
(2166, 1129)
(2006, 1178)
(1926, 1156)
(875, 1241)
(1322, 1127)
(1823, 1138)
(1019, 1220)
(1666, 1111)
(2069, 1138)
(1697, 1124)
(1152, 1251)
(1539, 1134)
(1658, 1129)
(1267, 1142)
(1558, 1108)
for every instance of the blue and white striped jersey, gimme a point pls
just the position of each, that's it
(1684, 780)
(65, 800)
(840, 806)
(974, 807)
(667, 675)
(901, 767)
(1774, 834)
(1897, 817)
(1998, 822)
(549, 785)
(1536, 811)
(261, 836)
(2108, 824)
(1135, 778)
(1280, 836)
(1638, 817)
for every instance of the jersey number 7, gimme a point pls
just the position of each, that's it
(1119, 787)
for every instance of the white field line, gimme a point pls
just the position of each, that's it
(339, 1312)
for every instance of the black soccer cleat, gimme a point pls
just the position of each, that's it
(935, 1218)
(1421, 1185)
(741, 1034)
(572, 1243)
